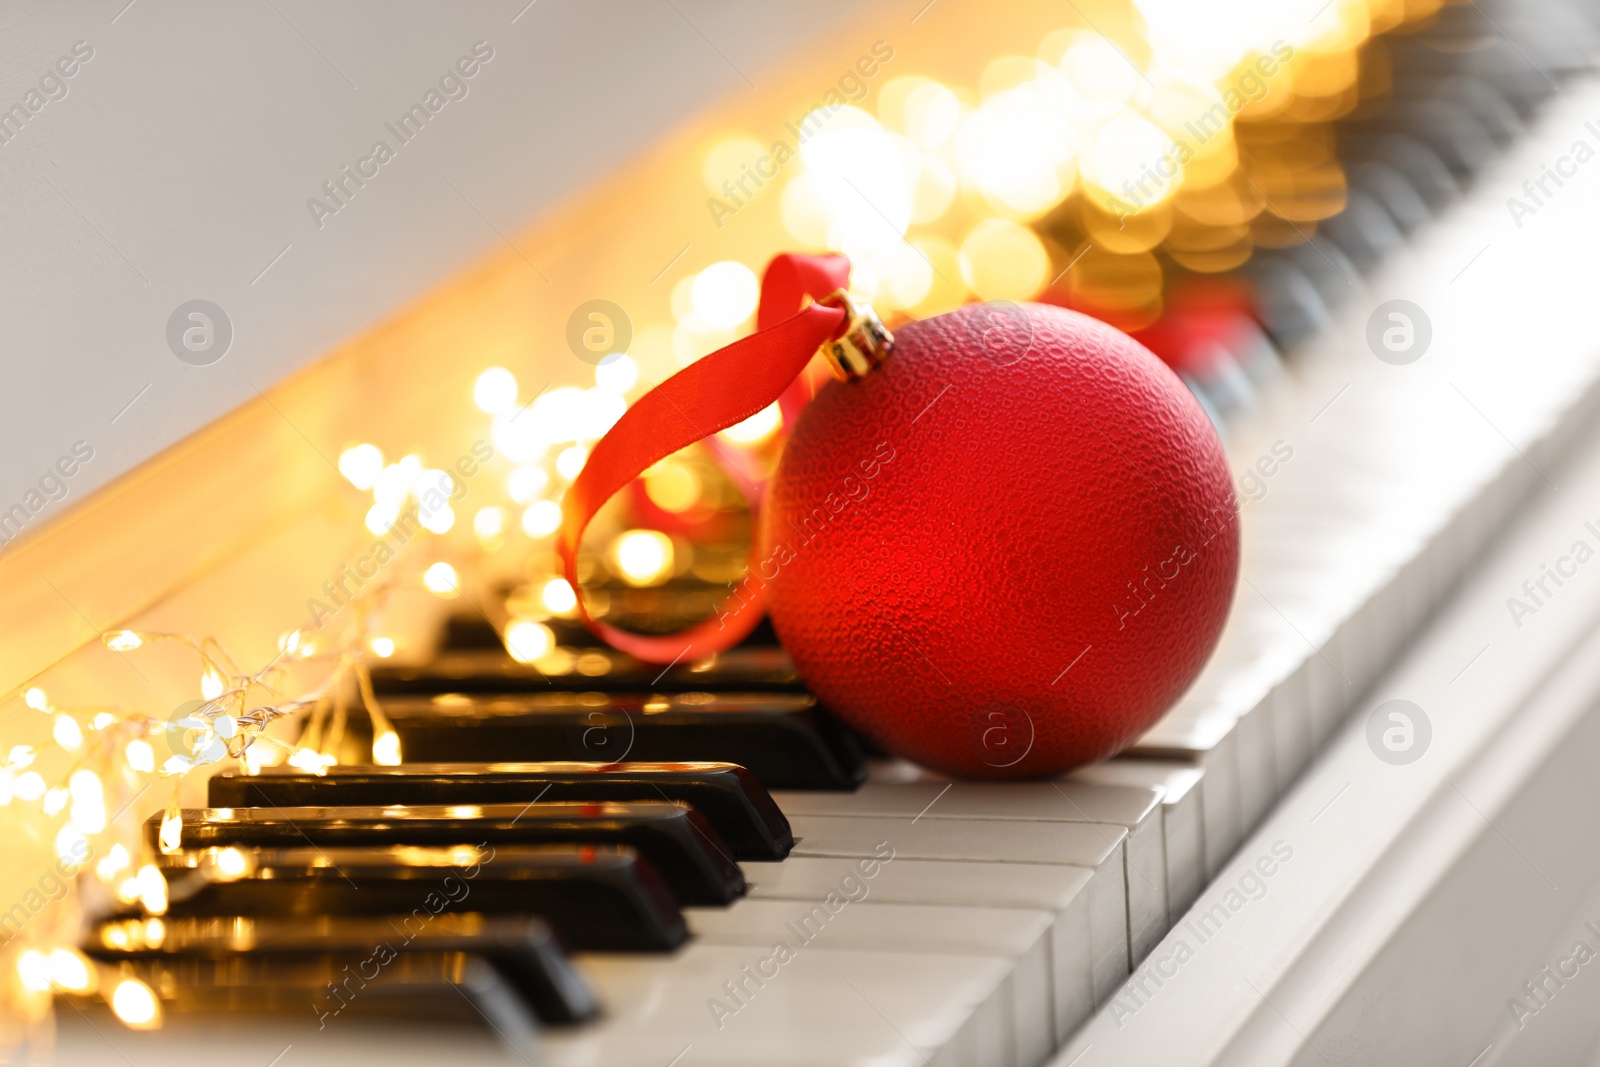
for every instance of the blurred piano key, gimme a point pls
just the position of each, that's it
(1135, 809)
(1097, 847)
(687, 852)
(1017, 936)
(311, 952)
(786, 740)
(728, 796)
(815, 1008)
(596, 897)
(1064, 893)
(457, 989)
(738, 670)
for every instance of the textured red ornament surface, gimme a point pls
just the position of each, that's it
(1007, 550)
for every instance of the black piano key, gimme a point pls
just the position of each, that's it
(1492, 109)
(1420, 164)
(596, 897)
(1455, 133)
(433, 987)
(470, 631)
(1290, 305)
(729, 797)
(785, 740)
(474, 632)
(522, 948)
(1329, 269)
(1363, 230)
(687, 851)
(739, 670)
(1393, 190)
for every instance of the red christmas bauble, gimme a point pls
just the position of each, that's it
(1007, 549)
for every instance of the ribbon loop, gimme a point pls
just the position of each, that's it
(711, 394)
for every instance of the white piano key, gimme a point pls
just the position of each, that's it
(1203, 736)
(1063, 800)
(1182, 819)
(1136, 809)
(1287, 706)
(96, 1038)
(1092, 845)
(1328, 696)
(1257, 765)
(833, 922)
(1360, 647)
(1062, 892)
(818, 1008)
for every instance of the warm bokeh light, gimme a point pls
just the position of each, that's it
(542, 518)
(441, 580)
(88, 801)
(381, 518)
(231, 862)
(616, 374)
(113, 863)
(361, 465)
(70, 970)
(382, 647)
(489, 522)
(527, 640)
(437, 520)
(569, 464)
(170, 837)
(517, 435)
(1017, 149)
(860, 182)
(643, 557)
(558, 597)
(526, 483)
(757, 428)
(152, 888)
(1097, 68)
(123, 641)
(495, 391)
(308, 759)
(1003, 260)
(36, 699)
(386, 748)
(927, 112)
(672, 485)
(1132, 165)
(72, 845)
(724, 294)
(140, 756)
(67, 733)
(135, 1004)
(33, 968)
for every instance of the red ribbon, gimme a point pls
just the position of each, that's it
(711, 394)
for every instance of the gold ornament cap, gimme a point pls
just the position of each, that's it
(865, 343)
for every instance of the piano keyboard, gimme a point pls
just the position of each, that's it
(721, 874)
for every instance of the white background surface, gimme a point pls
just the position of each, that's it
(180, 161)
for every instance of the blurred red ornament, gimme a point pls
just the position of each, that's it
(1207, 321)
(1004, 551)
